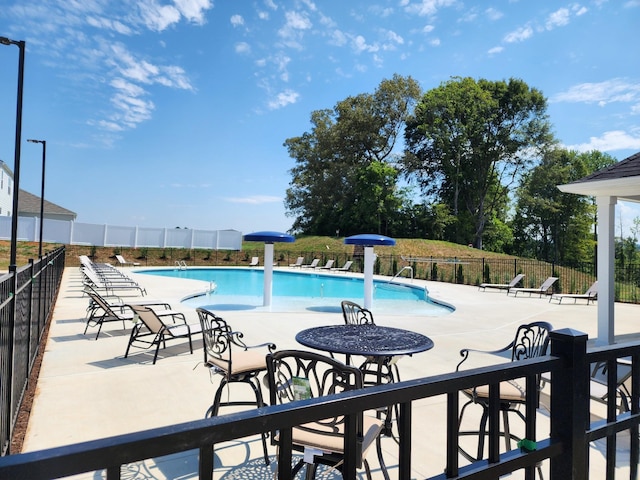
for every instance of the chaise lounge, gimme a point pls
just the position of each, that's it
(503, 286)
(591, 295)
(541, 290)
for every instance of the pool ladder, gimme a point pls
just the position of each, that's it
(402, 270)
(181, 264)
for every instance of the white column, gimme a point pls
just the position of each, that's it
(369, 259)
(605, 264)
(268, 274)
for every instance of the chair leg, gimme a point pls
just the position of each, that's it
(260, 402)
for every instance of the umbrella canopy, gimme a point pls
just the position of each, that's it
(368, 241)
(269, 238)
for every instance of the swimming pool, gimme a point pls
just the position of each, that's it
(242, 288)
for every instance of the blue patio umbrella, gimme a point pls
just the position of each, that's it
(368, 241)
(269, 238)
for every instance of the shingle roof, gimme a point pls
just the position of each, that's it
(621, 180)
(629, 167)
(29, 203)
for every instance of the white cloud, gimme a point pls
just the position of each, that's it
(559, 18)
(493, 14)
(435, 42)
(242, 47)
(283, 99)
(602, 93)
(338, 38)
(360, 45)
(158, 17)
(292, 31)
(237, 20)
(495, 50)
(194, 10)
(428, 28)
(519, 35)
(610, 141)
(254, 199)
(426, 7)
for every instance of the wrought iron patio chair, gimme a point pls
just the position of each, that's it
(226, 355)
(150, 330)
(299, 375)
(531, 340)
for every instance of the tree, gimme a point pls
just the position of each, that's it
(345, 176)
(549, 224)
(469, 141)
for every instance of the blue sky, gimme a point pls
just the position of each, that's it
(174, 113)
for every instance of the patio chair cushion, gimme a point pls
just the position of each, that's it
(333, 440)
(243, 361)
(510, 391)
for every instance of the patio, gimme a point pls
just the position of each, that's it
(87, 390)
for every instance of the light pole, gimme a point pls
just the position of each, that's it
(44, 162)
(16, 162)
(9, 398)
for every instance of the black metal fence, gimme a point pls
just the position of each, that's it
(27, 297)
(576, 278)
(565, 450)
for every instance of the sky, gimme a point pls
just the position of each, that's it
(173, 113)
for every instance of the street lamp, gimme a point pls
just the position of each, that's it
(44, 161)
(16, 162)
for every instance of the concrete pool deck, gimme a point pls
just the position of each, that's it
(87, 390)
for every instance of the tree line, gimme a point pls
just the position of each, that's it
(470, 161)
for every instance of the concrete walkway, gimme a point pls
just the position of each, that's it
(87, 390)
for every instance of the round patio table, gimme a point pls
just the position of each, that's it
(367, 340)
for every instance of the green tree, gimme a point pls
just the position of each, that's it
(344, 177)
(549, 224)
(469, 141)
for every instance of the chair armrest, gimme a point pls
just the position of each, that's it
(237, 339)
(466, 351)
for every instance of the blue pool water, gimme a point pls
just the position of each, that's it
(242, 288)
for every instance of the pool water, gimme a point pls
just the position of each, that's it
(242, 288)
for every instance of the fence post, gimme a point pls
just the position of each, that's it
(570, 405)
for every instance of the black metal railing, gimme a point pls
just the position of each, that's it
(27, 297)
(565, 451)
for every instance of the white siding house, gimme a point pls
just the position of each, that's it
(6, 190)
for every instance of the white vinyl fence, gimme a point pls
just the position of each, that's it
(75, 233)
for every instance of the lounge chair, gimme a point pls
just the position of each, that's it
(254, 262)
(298, 263)
(591, 295)
(102, 310)
(345, 268)
(110, 285)
(150, 330)
(122, 262)
(328, 265)
(299, 375)
(503, 286)
(313, 264)
(541, 290)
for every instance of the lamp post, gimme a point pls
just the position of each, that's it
(9, 342)
(16, 162)
(44, 162)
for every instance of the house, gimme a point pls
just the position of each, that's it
(6, 190)
(28, 204)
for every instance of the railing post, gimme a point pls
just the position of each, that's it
(570, 405)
